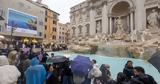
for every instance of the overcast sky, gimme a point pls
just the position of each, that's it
(62, 7)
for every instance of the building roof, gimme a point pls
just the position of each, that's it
(42, 6)
(50, 10)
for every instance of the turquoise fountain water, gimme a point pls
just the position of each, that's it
(117, 64)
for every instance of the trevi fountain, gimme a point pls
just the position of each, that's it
(116, 28)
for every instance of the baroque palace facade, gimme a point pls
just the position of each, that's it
(106, 16)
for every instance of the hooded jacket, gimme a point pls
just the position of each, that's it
(35, 74)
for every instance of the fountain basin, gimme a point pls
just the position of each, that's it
(116, 63)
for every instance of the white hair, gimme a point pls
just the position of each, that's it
(3, 60)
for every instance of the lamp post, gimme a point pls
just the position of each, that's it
(13, 27)
(1, 14)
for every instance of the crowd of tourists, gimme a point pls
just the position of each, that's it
(31, 67)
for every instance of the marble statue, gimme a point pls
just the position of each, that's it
(120, 34)
(80, 17)
(87, 16)
(153, 20)
(119, 26)
(98, 29)
(134, 36)
(98, 11)
(73, 19)
(146, 35)
(141, 52)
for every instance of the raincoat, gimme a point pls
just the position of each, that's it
(35, 74)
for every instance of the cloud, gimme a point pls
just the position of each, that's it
(62, 7)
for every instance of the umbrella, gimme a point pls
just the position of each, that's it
(58, 59)
(155, 60)
(81, 66)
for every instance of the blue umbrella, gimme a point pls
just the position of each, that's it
(81, 65)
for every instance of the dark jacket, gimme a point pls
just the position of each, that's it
(145, 79)
(128, 71)
(52, 78)
(67, 76)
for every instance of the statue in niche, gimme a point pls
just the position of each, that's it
(73, 19)
(119, 26)
(153, 21)
(98, 11)
(98, 27)
(120, 33)
(80, 17)
(87, 16)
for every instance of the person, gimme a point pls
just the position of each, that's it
(141, 78)
(67, 75)
(23, 65)
(95, 74)
(9, 73)
(106, 74)
(36, 73)
(23, 45)
(52, 77)
(13, 57)
(121, 78)
(52, 54)
(128, 70)
(94, 63)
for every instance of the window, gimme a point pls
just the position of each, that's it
(54, 16)
(45, 27)
(40, 33)
(44, 35)
(53, 37)
(46, 19)
(0, 28)
(54, 29)
(74, 30)
(41, 23)
(88, 28)
(80, 29)
(46, 12)
(54, 22)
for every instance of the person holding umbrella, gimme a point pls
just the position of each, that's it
(80, 67)
(95, 74)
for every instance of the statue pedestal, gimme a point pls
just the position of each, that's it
(153, 30)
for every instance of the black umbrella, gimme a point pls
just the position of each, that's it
(58, 59)
(155, 60)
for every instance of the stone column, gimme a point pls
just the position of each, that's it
(92, 22)
(140, 16)
(131, 21)
(110, 25)
(128, 21)
(104, 19)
